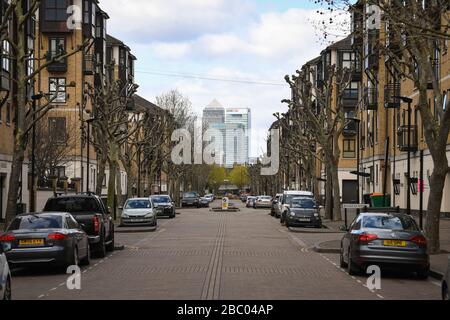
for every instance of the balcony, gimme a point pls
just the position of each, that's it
(391, 93)
(403, 139)
(350, 98)
(58, 66)
(371, 98)
(89, 64)
(371, 62)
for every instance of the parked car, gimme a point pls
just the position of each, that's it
(286, 201)
(90, 212)
(274, 211)
(387, 240)
(138, 212)
(210, 197)
(203, 202)
(263, 202)
(446, 284)
(55, 239)
(5, 276)
(250, 202)
(190, 199)
(163, 206)
(244, 198)
(303, 212)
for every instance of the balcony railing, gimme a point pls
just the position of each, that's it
(58, 66)
(403, 139)
(371, 99)
(392, 92)
(89, 64)
(350, 98)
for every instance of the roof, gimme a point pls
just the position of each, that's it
(314, 61)
(142, 104)
(344, 44)
(214, 105)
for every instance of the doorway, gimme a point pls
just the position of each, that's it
(349, 191)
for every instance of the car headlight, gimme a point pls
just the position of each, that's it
(125, 216)
(292, 213)
(149, 215)
(316, 215)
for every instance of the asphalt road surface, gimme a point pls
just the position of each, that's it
(206, 255)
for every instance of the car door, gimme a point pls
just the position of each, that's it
(3, 271)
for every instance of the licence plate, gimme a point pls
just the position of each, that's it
(137, 220)
(304, 220)
(394, 243)
(31, 242)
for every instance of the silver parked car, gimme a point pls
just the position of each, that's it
(138, 212)
(54, 239)
(446, 284)
(386, 240)
(5, 276)
(163, 206)
(263, 202)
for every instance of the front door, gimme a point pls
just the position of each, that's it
(350, 191)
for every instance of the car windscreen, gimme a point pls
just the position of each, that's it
(138, 204)
(400, 223)
(190, 195)
(303, 203)
(33, 222)
(161, 199)
(73, 205)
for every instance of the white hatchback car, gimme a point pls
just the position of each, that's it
(5, 276)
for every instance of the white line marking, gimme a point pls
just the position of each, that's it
(41, 296)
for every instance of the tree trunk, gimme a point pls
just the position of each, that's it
(337, 214)
(119, 186)
(328, 197)
(14, 182)
(433, 217)
(112, 183)
(100, 175)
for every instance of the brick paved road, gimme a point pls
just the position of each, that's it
(204, 255)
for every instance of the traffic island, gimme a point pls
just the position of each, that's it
(135, 229)
(316, 230)
(225, 210)
(333, 247)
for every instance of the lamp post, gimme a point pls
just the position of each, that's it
(35, 98)
(88, 155)
(409, 101)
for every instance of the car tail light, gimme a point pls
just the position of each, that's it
(96, 221)
(421, 241)
(7, 238)
(367, 237)
(57, 236)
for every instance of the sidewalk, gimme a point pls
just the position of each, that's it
(439, 262)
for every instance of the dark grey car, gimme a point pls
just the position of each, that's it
(163, 206)
(303, 212)
(446, 283)
(386, 240)
(45, 239)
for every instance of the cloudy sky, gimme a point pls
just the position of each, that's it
(192, 44)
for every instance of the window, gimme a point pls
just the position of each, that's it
(352, 91)
(349, 60)
(57, 46)
(57, 129)
(349, 149)
(5, 56)
(57, 89)
(59, 172)
(56, 10)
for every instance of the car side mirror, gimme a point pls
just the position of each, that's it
(343, 228)
(82, 226)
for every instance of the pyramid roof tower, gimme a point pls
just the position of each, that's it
(214, 105)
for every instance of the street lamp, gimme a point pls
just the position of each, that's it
(88, 160)
(35, 98)
(409, 101)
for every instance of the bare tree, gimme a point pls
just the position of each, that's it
(322, 108)
(13, 30)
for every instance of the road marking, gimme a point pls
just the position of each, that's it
(41, 296)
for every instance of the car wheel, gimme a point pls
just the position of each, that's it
(341, 259)
(445, 293)
(423, 274)
(101, 248)
(110, 246)
(87, 260)
(7, 295)
(352, 269)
